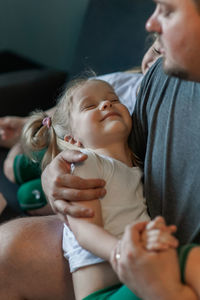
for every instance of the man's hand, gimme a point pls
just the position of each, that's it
(63, 190)
(149, 274)
(10, 130)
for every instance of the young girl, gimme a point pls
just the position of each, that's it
(90, 117)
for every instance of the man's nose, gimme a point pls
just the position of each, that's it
(152, 24)
(105, 104)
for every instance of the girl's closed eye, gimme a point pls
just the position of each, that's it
(88, 106)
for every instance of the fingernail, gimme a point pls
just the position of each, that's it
(103, 192)
(103, 182)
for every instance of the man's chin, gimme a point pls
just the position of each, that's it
(175, 71)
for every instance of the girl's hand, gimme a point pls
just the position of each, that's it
(158, 236)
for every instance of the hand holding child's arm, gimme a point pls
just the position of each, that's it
(152, 274)
(63, 190)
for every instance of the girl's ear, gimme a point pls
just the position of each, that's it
(71, 140)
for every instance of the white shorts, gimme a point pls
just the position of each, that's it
(76, 255)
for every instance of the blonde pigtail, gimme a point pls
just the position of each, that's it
(38, 134)
(52, 149)
(34, 135)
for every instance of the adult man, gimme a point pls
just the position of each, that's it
(180, 46)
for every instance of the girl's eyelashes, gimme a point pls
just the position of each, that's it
(88, 106)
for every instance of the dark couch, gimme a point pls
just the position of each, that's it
(24, 86)
(112, 38)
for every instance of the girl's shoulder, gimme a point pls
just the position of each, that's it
(92, 167)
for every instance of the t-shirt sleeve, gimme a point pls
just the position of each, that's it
(90, 168)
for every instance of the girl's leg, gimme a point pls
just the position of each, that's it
(31, 260)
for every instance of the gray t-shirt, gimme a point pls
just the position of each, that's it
(166, 136)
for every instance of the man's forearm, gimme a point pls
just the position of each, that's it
(181, 292)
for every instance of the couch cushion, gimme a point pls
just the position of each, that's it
(25, 90)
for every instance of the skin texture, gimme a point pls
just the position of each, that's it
(177, 23)
(31, 261)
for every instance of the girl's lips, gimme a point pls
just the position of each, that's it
(110, 114)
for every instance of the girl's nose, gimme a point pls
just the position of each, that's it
(105, 104)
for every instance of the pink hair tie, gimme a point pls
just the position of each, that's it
(47, 122)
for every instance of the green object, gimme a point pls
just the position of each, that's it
(28, 175)
(25, 169)
(183, 252)
(116, 292)
(30, 195)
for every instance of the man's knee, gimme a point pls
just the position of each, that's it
(11, 260)
(31, 258)
(25, 237)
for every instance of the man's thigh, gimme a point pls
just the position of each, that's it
(31, 260)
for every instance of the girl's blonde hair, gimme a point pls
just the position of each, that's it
(37, 136)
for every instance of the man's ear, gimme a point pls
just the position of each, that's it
(71, 140)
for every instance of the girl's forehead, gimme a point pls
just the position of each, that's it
(97, 83)
(92, 86)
